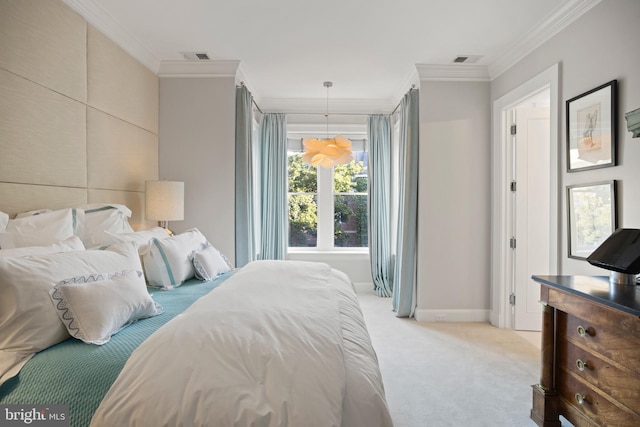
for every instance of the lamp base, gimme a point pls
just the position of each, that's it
(622, 278)
(165, 225)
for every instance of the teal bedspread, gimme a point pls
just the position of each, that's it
(79, 375)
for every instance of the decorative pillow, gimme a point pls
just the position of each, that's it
(4, 220)
(100, 218)
(42, 229)
(142, 238)
(209, 263)
(94, 307)
(73, 243)
(167, 262)
(28, 321)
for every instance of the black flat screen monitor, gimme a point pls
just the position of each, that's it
(620, 252)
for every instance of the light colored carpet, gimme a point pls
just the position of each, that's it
(452, 374)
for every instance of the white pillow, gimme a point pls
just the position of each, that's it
(31, 213)
(94, 307)
(167, 262)
(28, 321)
(73, 243)
(100, 218)
(209, 263)
(142, 237)
(38, 230)
(4, 220)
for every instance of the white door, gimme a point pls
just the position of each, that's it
(531, 208)
(504, 225)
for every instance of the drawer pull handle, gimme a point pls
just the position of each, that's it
(581, 365)
(582, 331)
(581, 399)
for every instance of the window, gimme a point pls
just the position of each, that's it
(328, 207)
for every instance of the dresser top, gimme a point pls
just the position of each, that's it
(598, 288)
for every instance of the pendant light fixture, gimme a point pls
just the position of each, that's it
(330, 151)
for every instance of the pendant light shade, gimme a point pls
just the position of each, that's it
(330, 151)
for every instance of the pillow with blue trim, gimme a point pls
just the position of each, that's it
(94, 307)
(40, 229)
(209, 263)
(167, 263)
(100, 218)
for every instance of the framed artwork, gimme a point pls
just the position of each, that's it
(591, 128)
(592, 216)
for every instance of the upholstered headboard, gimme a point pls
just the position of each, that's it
(78, 115)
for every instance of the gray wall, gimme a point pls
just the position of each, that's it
(454, 207)
(600, 46)
(197, 146)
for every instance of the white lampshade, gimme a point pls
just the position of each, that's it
(164, 201)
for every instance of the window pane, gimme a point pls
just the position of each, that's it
(302, 177)
(303, 202)
(350, 187)
(303, 220)
(352, 177)
(350, 221)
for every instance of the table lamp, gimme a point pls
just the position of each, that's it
(164, 202)
(619, 253)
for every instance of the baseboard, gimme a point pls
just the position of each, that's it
(424, 315)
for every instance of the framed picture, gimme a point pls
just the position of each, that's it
(592, 216)
(591, 128)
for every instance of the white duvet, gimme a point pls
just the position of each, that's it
(281, 343)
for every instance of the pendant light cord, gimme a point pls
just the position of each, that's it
(326, 115)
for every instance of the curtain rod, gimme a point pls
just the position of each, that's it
(413, 87)
(252, 100)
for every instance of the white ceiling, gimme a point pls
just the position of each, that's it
(369, 49)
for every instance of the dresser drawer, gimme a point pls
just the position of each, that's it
(584, 399)
(603, 336)
(622, 384)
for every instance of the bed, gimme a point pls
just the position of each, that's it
(275, 343)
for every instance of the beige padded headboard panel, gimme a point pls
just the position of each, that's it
(45, 42)
(41, 131)
(78, 115)
(114, 144)
(119, 85)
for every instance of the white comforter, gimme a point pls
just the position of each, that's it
(281, 343)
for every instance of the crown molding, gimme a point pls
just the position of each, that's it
(95, 15)
(559, 19)
(319, 106)
(412, 79)
(453, 72)
(184, 68)
(242, 77)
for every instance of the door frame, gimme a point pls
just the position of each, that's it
(501, 314)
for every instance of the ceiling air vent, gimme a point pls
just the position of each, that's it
(467, 59)
(196, 56)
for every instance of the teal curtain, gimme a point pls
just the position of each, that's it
(273, 187)
(380, 251)
(244, 188)
(405, 271)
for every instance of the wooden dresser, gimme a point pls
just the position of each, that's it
(590, 353)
